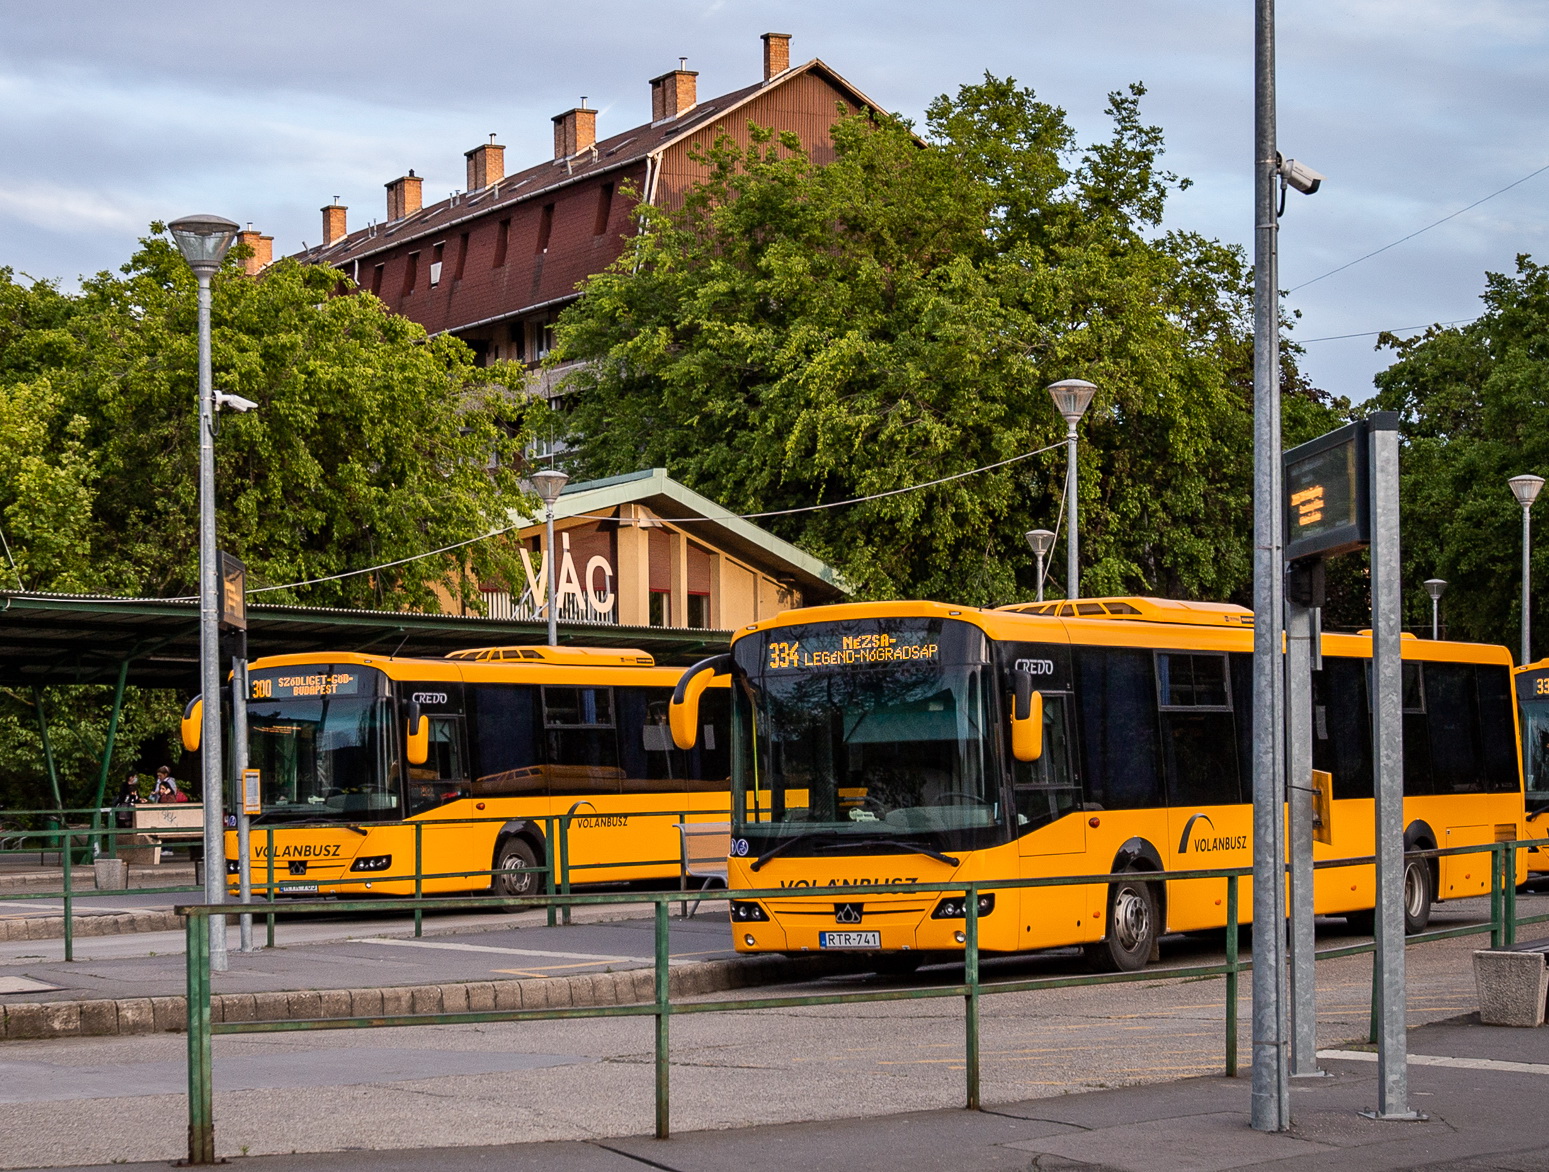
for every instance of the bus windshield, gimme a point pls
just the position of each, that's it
(1535, 753)
(320, 739)
(877, 748)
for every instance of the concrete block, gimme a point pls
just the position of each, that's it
(135, 1016)
(535, 994)
(583, 989)
(454, 997)
(425, 999)
(481, 996)
(236, 1007)
(1512, 987)
(26, 1021)
(271, 1006)
(333, 1003)
(508, 994)
(169, 1015)
(99, 1019)
(642, 985)
(560, 992)
(303, 1005)
(365, 1003)
(397, 1002)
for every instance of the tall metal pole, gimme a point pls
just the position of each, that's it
(1040, 577)
(1301, 661)
(550, 566)
(1271, 1107)
(1527, 573)
(1388, 750)
(1072, 558)
(1435, 618)
(209, 646)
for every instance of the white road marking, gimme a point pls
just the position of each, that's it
(1440, 1060)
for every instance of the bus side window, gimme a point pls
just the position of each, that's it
(503, 736)
(1046, 789)
(1341, 733)
(1199, 739)
(1117, 727)
(580, 741)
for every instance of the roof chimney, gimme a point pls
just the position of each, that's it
(263, 250)
(333, 222)
(486, 164)
(403, 196)
(777, 53)
(574, 131)
(674, 92)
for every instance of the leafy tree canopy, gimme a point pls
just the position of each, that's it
(795, 334)
(1473, 403)
(371, 441)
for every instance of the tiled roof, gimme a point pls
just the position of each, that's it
(621, 150)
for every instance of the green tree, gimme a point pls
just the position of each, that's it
(796, 334)
(1472, 401)
(372, 442)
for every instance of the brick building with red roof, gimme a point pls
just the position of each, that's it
(496, 263)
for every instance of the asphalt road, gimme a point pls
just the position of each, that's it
(86, 1100)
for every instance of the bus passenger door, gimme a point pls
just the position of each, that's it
(1051, 832)
(440, 781)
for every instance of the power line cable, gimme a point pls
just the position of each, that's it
(1419, 231)
(1392, 330)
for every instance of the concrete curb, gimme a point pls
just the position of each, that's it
(88, 924)
(153, 1015)
(163, 875)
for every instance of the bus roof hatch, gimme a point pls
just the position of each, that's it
(571, 656)
(1144, 610)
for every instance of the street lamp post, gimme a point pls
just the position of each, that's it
(1071, 398)
(549, 484)
(1525, 489)
(203, 241)
(1435, 587)
(1042, 540)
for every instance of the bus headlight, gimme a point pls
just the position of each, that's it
(372, 863)
(745, 911)
(233, 866)
(954, 907)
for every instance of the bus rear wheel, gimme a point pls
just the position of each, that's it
(1132, 929)
(1419, 894)
(516, 852)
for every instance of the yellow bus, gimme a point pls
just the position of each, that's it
(913, 741)
(352, 749)
(1533, 710)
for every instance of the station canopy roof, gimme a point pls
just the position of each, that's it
(83, 639)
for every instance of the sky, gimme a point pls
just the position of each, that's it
(115, 114)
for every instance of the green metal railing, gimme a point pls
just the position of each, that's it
(555, 866)
(201, 1029)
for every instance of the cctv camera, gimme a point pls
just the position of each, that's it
(1300, 176)
(235, 402)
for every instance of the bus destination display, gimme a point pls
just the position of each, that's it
(305, 684)
(859, 650)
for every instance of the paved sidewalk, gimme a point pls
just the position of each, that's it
(1483, 1115)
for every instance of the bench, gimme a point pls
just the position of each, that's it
(704, 848)
(161, 824)
(1513, 983)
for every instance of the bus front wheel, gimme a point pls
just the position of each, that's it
(1132, 929)
(516, 852)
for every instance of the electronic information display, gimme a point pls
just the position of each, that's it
(1327, 489)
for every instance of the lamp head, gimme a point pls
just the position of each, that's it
(1435, 587)
(203, 241)
(549, 484)
(1525, 489)
(1041, 541)
(1071, 397)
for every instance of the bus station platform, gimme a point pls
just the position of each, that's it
(1483, 1113)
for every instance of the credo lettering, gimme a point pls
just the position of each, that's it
(429, 697)
(1036, 667)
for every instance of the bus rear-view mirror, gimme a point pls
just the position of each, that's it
(683, 713)
(1026, 718)
(193, 722)
(416, 741)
